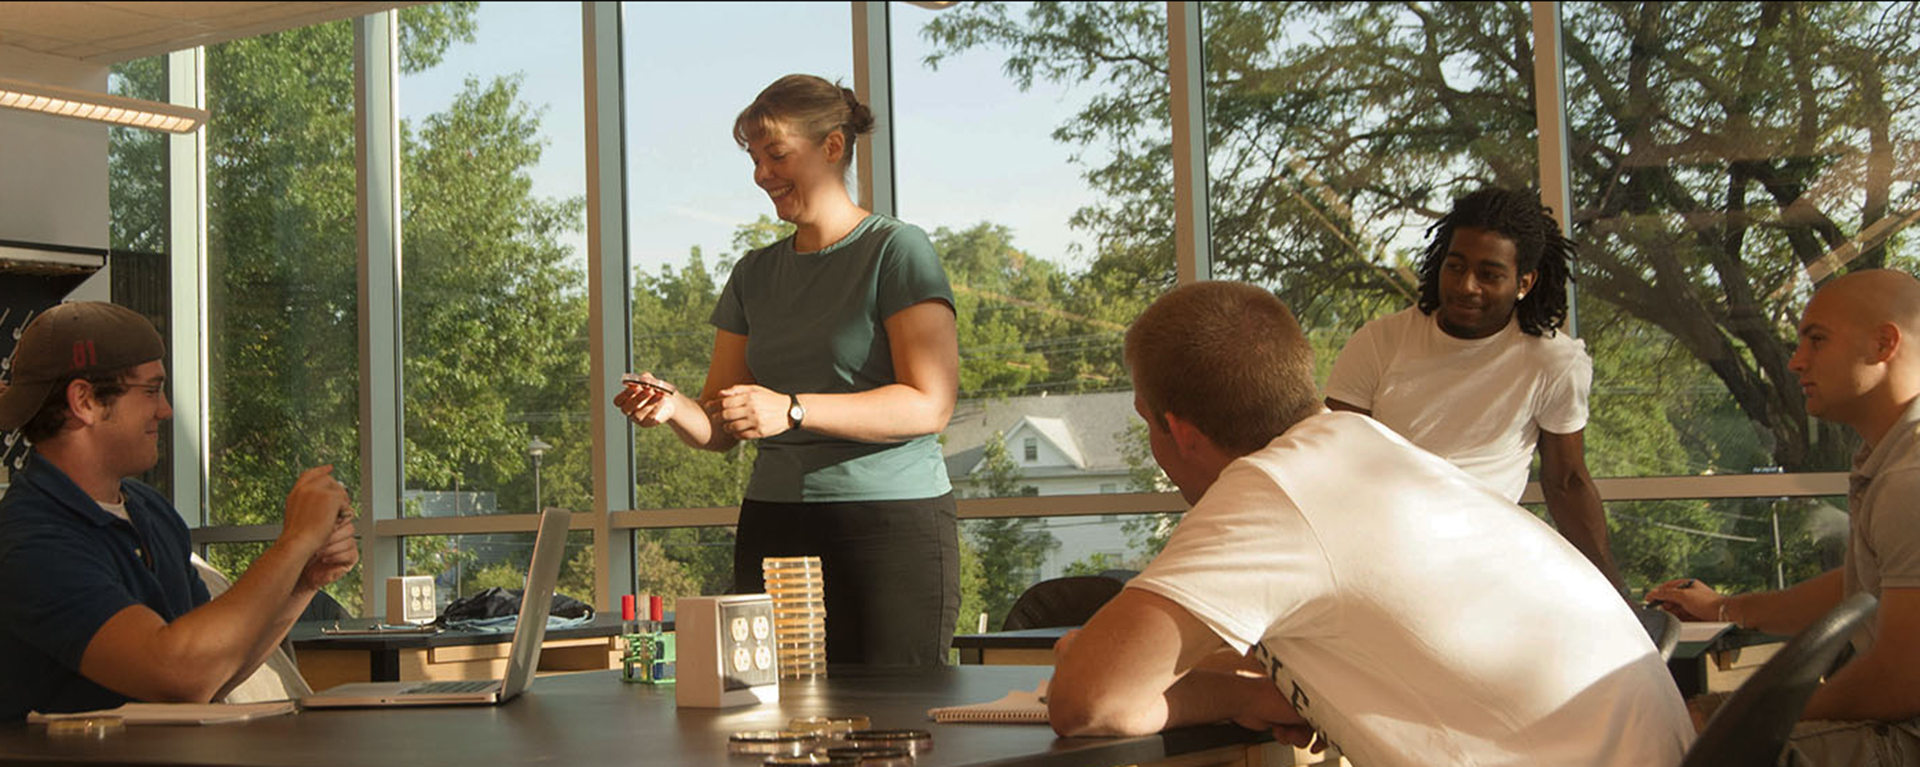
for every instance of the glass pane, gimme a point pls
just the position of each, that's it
(1053, 220)
(463, 565)
(137, 263)
(281, 272)
(1734, 544)
(683, 561)
(233, 559)
(137, 163)
(1338, 132)
(494, 306)
(1707, 199)
(692, 205)
(1001, 558)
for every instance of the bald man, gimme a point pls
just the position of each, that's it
(1859, 364)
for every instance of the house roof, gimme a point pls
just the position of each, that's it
(1088, 428)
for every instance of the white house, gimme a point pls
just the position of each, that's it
(1063, 444)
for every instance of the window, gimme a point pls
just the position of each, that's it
(692, 206)
(281, 268)
(1735, 544)
(1336, 134)
(464, 565)
(1705, 198)
(1053, 220)
(1005, 557)
(138, 224)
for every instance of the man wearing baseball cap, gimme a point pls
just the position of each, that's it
(99, 604)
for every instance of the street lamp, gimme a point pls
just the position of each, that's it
(536, 448)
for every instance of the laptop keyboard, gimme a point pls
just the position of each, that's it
(444, 688)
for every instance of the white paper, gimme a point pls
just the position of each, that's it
(177, 713)
(1019, 706)
(1703, 631)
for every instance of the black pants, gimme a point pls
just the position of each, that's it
(892, 571)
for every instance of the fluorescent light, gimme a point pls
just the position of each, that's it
(99, 107)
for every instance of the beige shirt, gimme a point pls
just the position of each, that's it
(1883, 500)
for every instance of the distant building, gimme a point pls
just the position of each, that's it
(1063, 444)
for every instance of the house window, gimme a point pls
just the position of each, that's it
(1031, 446)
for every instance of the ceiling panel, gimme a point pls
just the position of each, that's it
(110, 32)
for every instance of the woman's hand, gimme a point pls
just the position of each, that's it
(645, 406)
(751, 411)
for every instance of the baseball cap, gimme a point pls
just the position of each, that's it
(74, 339)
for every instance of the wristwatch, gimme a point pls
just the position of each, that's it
(795, 413)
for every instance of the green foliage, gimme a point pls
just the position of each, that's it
(1707, 177)
(1009, 552)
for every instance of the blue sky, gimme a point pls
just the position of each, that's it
(970, 147)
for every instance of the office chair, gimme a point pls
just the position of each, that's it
(1752, 727)
(1060, 602)
(1661, 626)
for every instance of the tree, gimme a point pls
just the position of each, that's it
(1708, 178)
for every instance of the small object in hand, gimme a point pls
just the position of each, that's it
(632, 379)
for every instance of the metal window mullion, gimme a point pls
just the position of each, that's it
(609, 294)
(187, 315)
(1550, 110)
(1192, 227)
(873, 84)
(377, 171)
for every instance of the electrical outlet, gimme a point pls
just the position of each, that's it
(726, 651)
(410, 599)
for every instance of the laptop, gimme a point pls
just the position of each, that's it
(549, 550)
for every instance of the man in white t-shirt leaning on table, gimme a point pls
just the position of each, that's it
(1478, 372)
(1333, 578)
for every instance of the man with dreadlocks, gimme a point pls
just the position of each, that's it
(1478, 373)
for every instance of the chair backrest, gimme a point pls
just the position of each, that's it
(1752, 727)
(1060, 602)
(1662, 628)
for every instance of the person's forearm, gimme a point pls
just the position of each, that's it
(695, 428)
(1785, 612)
(1576, 510)
(891, 413)
(269, 640)
(1875, 685)
(1200, 697)
(1206, 697)
(211, 644)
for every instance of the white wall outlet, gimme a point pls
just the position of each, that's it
(410, 599)
(726, 651)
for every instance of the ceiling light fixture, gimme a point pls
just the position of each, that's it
(99, 107)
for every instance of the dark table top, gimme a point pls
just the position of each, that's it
(587, 719)
(307, 636)
(1025, 639)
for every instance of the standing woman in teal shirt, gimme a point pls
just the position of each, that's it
(835, 348)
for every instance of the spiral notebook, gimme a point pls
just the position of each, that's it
(1018, 707)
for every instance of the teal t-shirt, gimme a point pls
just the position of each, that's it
(814, 325)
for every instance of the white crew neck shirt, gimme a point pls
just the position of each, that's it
(1479, 403)
(1413, 615)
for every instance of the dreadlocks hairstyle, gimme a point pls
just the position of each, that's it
(1538, 247)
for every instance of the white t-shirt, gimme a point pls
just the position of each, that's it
(1413, 615)
(1480, 403)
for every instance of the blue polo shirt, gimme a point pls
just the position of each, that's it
(66, 566)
